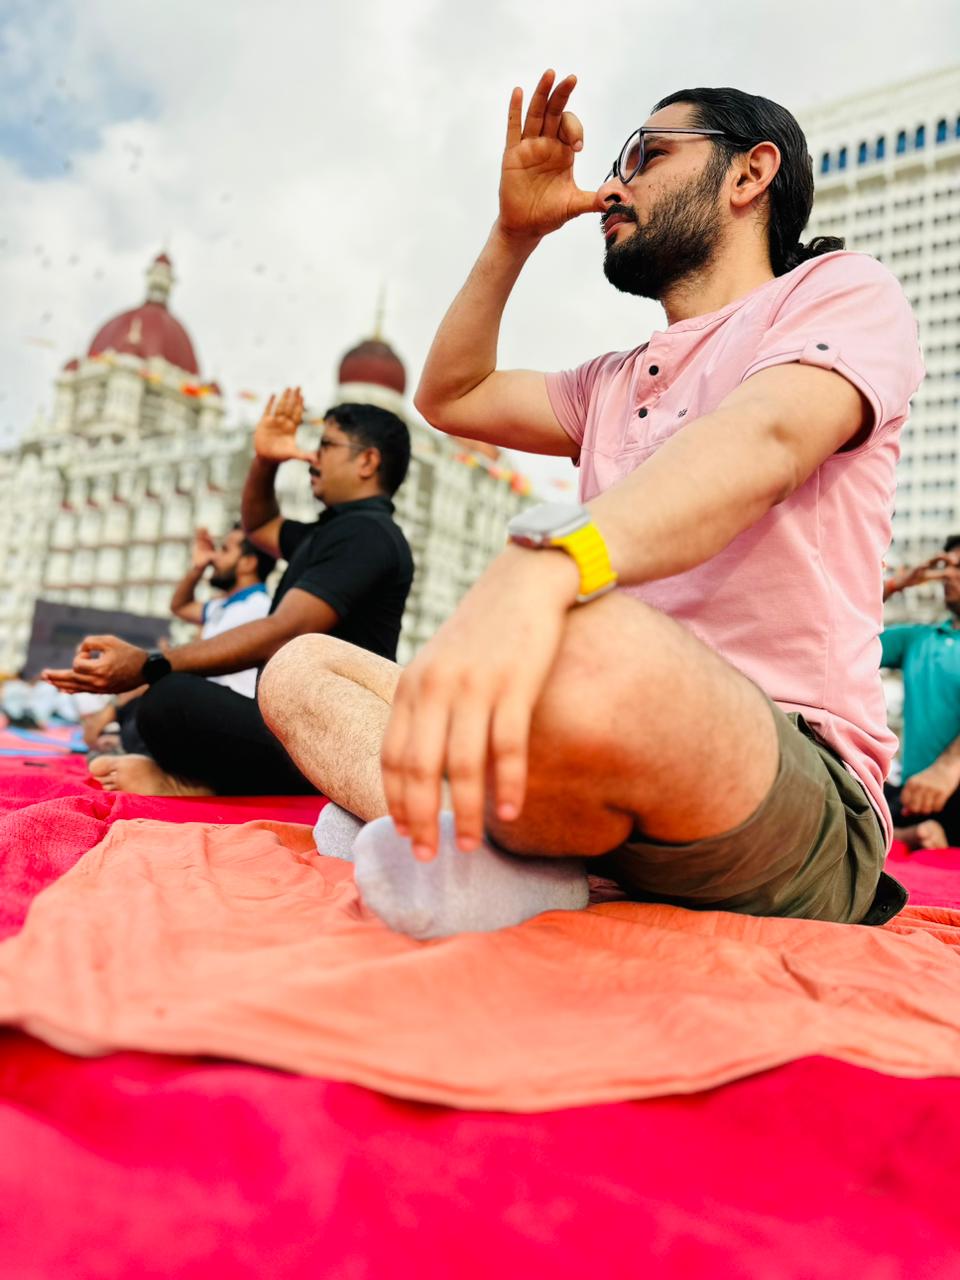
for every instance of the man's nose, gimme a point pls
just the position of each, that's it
(613, 191)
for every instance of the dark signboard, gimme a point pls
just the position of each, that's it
(59, 628)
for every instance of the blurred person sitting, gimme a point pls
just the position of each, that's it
(926, 807)
(348, 575)
(240, 572)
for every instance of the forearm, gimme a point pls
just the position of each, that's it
(694, 496)
(249, 645)
(185, 590)
(464, 352)
(950, 757)
(259, 505)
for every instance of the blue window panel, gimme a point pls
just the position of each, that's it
(825, 162)
(941, 130)
(842, 158)
(920, 137)
(881, 148)
(862, 156)
(901, 143)
(957, 129)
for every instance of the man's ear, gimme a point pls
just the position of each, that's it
(753, 173)
(369, 462)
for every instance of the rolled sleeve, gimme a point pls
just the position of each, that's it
(570, 393)
(846, 312)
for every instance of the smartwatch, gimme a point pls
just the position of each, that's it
(156, 667)
(569, 527)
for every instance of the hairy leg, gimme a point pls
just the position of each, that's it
(328, 703)
(639, 725)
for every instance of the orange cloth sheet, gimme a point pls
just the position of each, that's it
(242, 942)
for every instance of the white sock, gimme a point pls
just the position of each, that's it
(459, 892)
(335, 832)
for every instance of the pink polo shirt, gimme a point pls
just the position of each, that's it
(795, 602)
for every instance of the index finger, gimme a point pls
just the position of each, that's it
(90, 643)
(514, 117)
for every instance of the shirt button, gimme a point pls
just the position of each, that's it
(642, 413)
(654, 369)
(822, 346)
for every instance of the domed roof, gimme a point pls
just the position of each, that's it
(150, 329)
(374, 361)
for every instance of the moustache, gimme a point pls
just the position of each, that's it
(619, 211)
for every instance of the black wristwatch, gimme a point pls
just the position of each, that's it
(156, 667)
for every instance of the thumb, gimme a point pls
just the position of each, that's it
(582, 202)
(571, 131)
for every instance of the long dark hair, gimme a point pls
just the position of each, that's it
(745, 120)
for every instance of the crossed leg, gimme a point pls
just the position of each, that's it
(639, 726)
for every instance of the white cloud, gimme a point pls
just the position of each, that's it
(293, 157)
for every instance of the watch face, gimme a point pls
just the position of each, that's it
(549, 519)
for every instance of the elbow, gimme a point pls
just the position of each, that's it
(437, 411)
(427, 407)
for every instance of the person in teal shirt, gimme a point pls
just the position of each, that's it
(926, 807)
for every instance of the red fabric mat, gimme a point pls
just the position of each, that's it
(144, 1166)
(139, 1166)
(50, 814)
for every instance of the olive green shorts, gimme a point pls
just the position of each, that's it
(814, 848)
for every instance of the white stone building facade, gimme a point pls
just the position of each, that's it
(98, 504)
(887, 170)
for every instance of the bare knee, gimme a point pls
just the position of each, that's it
(298, 664)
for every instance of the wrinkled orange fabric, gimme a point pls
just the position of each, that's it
(242, 942)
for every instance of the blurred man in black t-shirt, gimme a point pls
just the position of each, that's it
(349, 574)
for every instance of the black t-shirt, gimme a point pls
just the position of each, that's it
(356, 559)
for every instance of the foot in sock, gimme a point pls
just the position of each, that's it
(335, 832)
(459, 892)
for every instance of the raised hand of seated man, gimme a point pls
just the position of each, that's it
(103, 664)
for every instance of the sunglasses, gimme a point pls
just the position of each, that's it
(633, 153)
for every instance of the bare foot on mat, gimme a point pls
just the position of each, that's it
(925, 835)
(141, 776)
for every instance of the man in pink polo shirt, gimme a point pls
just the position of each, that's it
(712, 733)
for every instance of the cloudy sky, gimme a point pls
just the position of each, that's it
(293, 158)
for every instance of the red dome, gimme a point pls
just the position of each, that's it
(375, 362)
(147, 330)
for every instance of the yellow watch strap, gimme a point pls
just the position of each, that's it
(588, 549)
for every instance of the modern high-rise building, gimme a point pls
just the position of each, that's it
(887, 170)
(98, 504)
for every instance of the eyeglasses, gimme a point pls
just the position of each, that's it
(338, 444)
(633, 154)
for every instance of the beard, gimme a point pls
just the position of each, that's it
(224, 581)
(680, 238)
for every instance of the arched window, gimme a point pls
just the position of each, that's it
(901, 143)
(862, 153)
(825, 162)
(842, 158)
(920, 137)
(941, 130)
(881, 148)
